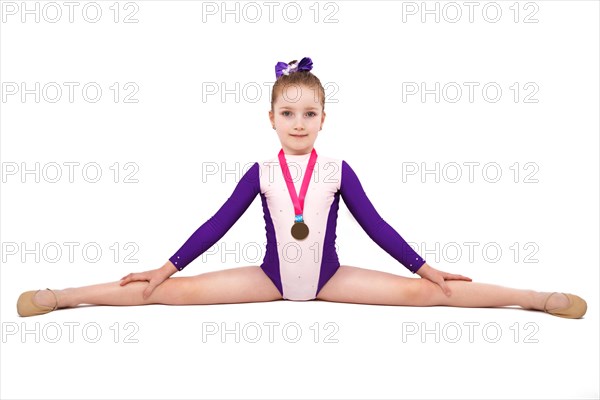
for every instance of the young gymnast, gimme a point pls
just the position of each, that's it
(301, 261)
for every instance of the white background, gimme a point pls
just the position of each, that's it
(171, 133)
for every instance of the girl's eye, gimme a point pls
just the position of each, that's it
(310, 113)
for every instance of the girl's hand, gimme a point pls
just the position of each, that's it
(154, 277)
(439, 277)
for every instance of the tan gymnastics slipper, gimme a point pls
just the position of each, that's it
(576, 308)
(27, 308)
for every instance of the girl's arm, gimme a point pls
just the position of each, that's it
(376, 227)
(218, 225)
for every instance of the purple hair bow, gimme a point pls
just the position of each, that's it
(282, 68)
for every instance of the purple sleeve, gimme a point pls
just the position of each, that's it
(378, 230)
(218, 225)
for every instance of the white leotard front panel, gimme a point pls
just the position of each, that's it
(300, 261)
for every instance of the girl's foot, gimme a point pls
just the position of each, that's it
(46, 298)
(564, 305)
(37, 302)
(552, 301)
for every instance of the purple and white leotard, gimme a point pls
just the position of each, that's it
(299, 268)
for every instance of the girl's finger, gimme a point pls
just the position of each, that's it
(461, 277)
(148, 291)
(444, 286)
(456, 276)
(133, 277)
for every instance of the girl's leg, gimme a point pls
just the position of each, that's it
(365, 286)
(236, 285)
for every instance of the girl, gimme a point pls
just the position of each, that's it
(299, 215)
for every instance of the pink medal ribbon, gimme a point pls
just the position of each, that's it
(299, 229)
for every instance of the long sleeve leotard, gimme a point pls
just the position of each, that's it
(299, 268)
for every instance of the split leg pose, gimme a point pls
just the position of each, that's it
(348, 285)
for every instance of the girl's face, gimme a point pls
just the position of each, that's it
(297, 117)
